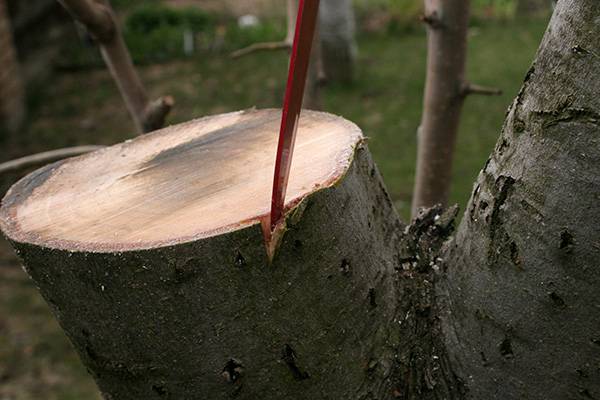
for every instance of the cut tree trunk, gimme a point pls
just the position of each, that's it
(523, 288)
(12, 92)
(337, 30)
(167, 291)
(152, 257)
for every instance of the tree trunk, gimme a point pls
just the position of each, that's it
(522, 292)
(164, 299)
(152, 256)
(12, 92)
(447, 23)
(337, 29)
(98, 17)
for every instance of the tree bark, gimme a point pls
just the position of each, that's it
(97, 16)
(213, 317)
(447, 23)
(353, 305)
(337, 30)
(522, 300)
(12, 100)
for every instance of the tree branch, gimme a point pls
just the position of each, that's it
(98, 18)
(292, 13)
(447, 25)
(156, 113)
(95, 16)
(470, 88)
(253, 48)
(45, 158)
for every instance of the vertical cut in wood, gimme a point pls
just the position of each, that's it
(152, 257)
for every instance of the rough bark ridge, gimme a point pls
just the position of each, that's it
(522, 318)
(422, 364)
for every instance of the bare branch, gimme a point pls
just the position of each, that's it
(45, 158)
(447, 25)
(157, 112)
(98, 18)
(253, 48)
(470, 88)
(286, 44)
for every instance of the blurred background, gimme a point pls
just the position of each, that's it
(61, 94)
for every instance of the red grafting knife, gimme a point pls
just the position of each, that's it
(305, 31)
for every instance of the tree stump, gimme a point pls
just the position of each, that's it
(152, 255)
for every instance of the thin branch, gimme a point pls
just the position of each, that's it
(45, 158)
(156, 113)
(470, 88)
(286, 44)
(98, 18)
(432, 20)
(256, 47)
(95, 16)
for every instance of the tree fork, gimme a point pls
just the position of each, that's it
(98, 18)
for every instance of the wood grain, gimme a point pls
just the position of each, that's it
(185, 182)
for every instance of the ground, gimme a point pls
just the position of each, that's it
(83, 107)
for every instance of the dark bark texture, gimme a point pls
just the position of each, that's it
(213, 320)
(522, 293)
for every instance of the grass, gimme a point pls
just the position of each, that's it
(84, 107)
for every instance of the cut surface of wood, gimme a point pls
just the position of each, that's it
(189, 181)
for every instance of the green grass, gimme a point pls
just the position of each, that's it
(385, 100)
